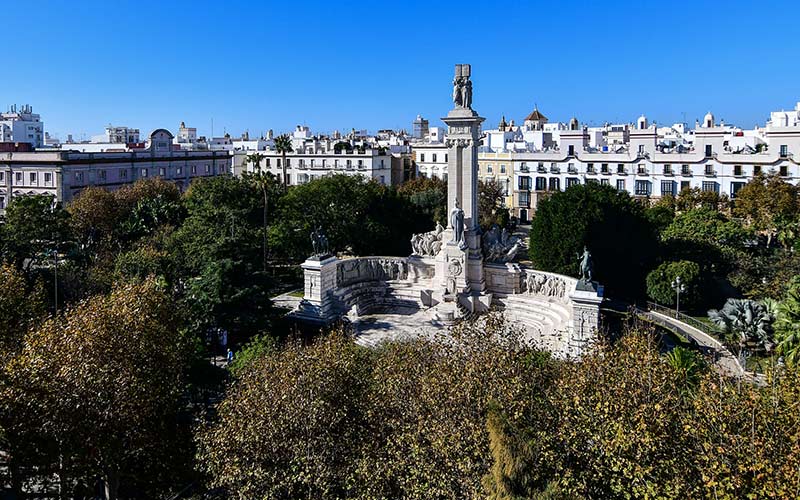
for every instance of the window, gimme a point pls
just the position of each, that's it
(48, 178)
(489, 168)
(445, 157)
(540, 167)
(18, 177)
(541, 183)
(604, 168)
(524, 199)
(123, 174)
(710, 187)
(78, 176)
(2, 202)
(101, 174)
(710, 170)
(32, 177)
(571, 168)
(737, 170)
(709, 150)
(381, 163)
(194, 169)
(554, 168)
(642, 188)
(208, 167)
(571, 150)
(641, 149)
(685, 185)
(784, 150)
(572, 181)
(642, 169)
(685, 170)
(667, 188)
(620, 168)
(178, 170)
(605, 182)
(756, 169)
(278, 160)
(667, 169)
(621, 184)
(162, 172)
(784, 171)
(590, 168)
(2, 176)
(349, 163)
(144, 172)
(555, 184)
(422, 157)
(434, 157)
(268, 165)
(383, 179)
(525, 183)
(502, 169)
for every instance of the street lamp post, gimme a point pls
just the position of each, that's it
(678, 287)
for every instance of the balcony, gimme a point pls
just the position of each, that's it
(524, 169)
(555, 170)
(711, 173)
(541, 170)
(642, 173)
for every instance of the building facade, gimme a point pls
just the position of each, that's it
(64, 174)
(21, 124)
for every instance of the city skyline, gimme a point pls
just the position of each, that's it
(344, 70)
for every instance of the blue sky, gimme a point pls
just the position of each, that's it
(337, 65)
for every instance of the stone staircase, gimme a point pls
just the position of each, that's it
(545, 322)
(372, 297)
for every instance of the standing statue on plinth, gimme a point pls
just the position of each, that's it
(319, 242)
(586, 265)
(466, 94)
(457, 91)
(457, 221)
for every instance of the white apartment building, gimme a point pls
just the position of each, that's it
(719, 158)
(118, 135)
(21, 124)
(430, 159)
(303, 166)
(64, 174)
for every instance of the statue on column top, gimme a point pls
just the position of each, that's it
(462, 87)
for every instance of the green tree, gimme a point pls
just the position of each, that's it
(35, 227)
(509, 477)
(283, 145)
(22, 306)
(660, 279)
(599, 217)
(218, 256)
(787, 325)
(688, 367)
(491, 204)
(429, 194)
(358, 216)
(694, 198)
(100, 390)
(768, 204)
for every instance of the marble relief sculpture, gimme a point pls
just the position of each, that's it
(499, 245)
(546, 285)
(427, 244)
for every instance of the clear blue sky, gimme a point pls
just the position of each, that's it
(337, 65)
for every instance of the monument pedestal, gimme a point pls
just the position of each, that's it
(585, 318)
(319, 276)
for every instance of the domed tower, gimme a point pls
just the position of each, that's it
(708, 120)
(574, 124)
(641, 123)
(535, 120)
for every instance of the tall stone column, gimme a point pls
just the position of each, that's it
(460, 263)
(319, 275)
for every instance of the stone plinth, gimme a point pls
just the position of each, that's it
(585, 318)
(319, 276)
(503, 279)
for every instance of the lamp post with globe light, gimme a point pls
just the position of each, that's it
(679, 288)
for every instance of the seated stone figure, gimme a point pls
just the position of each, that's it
(427, 244)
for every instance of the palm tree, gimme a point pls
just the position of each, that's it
(744, 321)
(787, 326)
(687, 366)
(283, 145)
(262, 181)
